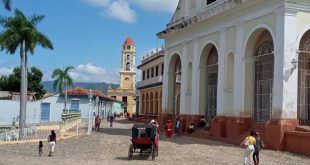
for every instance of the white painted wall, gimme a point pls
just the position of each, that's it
(284, 22)
(10, 109)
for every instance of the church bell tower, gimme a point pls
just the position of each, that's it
(128, 68)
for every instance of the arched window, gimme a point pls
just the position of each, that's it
(263, 68)
(128, 57)
(212, 73)
(304, 80)
(127, 66)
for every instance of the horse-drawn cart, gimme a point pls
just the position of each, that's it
(144, 140)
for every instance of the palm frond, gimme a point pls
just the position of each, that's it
(69, 81)
(35, 19)
(68, 68)
(3, 20)
(7, 4)
(55, 84)
(57, 73)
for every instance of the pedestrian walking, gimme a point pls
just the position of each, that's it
(154, 123)
(97, 122)
(248, 143)
(178, 127)
(111, 118)
(40, 148)
(168, 129)
(51, 142)
(108, 116)
(258, 147)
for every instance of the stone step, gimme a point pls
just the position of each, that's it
(303, 128)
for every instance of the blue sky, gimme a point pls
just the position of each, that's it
(88, 34)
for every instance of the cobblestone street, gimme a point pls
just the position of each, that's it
(110, 146)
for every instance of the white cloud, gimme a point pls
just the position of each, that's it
(117, 9)
(123, 11)
(157, 5)
(5, 71)
(92, 73)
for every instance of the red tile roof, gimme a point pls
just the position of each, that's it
(84, 92)
(129, 41)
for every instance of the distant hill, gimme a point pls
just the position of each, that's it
(48, 86)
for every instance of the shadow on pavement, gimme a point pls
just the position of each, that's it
(185, 140)
(116, 131)
(123, 121)
(136, 156)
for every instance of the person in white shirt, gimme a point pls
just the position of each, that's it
(178, 127)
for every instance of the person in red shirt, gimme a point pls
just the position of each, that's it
(97, 123)
(168, 129)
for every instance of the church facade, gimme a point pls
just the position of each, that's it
(244, 64)
(126, 92)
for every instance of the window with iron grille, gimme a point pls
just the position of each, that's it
(263, 68)
(304, 80)
(75, 105)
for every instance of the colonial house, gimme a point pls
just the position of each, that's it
(245, 64)
(50, 109)
(150, 87)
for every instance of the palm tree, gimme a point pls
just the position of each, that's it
(21, 32)
(62, 79)
(7, 4)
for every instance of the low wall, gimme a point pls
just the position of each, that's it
(298, 142)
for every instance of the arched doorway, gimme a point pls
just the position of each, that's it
(263, 77)
(156, 104)
(143, 104)
(147, 104)
(304, 80)
(152, 103)
(174, 84)
(208, 81)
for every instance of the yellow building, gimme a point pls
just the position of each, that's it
(126, 91)
(150, 87)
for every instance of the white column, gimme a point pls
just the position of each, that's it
(285, 79)
(238, 94)
(221, 74)
(186, 8)
(199, 4)
(165, 82)
(184, 80)
(195, 81)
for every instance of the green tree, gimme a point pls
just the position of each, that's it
(21, 32)
(7, 4)
(3, 83)
(62, 79)
(12, 82)
(34, 82)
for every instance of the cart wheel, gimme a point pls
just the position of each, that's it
(130, 152)
(153, 152)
